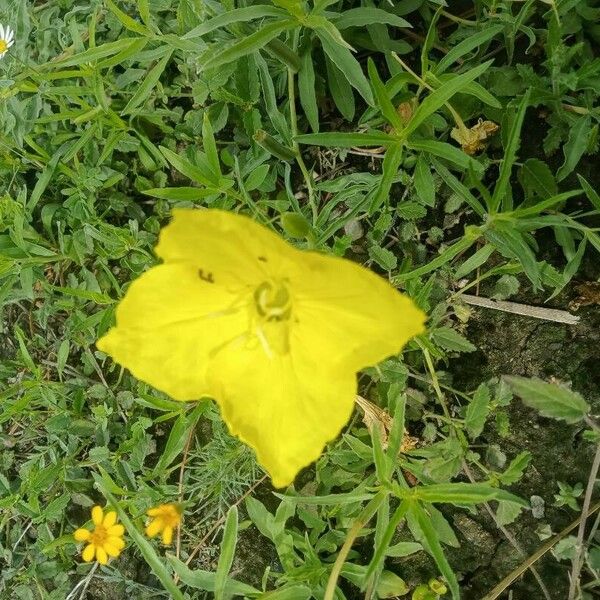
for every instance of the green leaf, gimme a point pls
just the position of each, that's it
(450, 339)
(227, 553)
(143, 92)
(347, 64)
(440, 96)
(510, 155)
(384, 102)
(549, 399)
(458, 187)
(210, 146)
(461, 49)
(192, 171)
(346, 140)
(359, 17)
(464, 493)
(474, 261)
(295, 225)
(507, 513)
(448, 152)
(576, 145)
(537, 179)
(248, 44)
(181, 194)
(306, 90)
(205, 580)
(340, 89)
(96, 53)
(590, 192)
(423, 181)
(434, 547)
(390, 166)
(391, 586)
(126, 20)
(477, 411)
(144, 546)
(235, 16)
(516, 468)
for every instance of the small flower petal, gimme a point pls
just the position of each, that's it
(81, 535)
(101, 555)
(116, 530)
(153, 512)
(97, 515)
(112, 550)
(117, 542)
(109, 519)
(88, 553)
(154, 527)
(167, 535)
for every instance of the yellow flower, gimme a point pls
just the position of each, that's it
(274, 334)
(106, 539)
(165, 518)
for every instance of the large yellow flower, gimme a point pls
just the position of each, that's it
(274, 334)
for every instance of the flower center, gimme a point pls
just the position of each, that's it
(3, 46)
(99, 535)
(273, 301)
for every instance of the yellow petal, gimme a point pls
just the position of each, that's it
(88, 553)
(111, 549)
(169, 324)
(153, 512)
(81, 535)
(97, 515)
(234, 248)
(116, 542)
(154, 527)
(116, 530)
(110, 519)
(167, 535)
(287, 407)
(348, 316)
(101, 555)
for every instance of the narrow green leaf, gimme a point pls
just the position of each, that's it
(126, 20)
(450, 339)
(235, 16)
(391, 163)
(440, 96)
(458, 187)
(423, 181)
(149, 81)
(590, 192)
(510, 155)
(181, 194)
(227, 553)
(549, 399)
(306, 89)
(193, 172)
(347, 64)
(366, 15)
(94, 54)
(340, 89)
(516, 468)
(474, 261)
(464, 493)
(435, 547)
(384, 102)
(249, 44)
(346, 140)
(210, 146)
(448, 152)
(467, 45)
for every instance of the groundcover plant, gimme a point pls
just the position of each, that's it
(299, 299)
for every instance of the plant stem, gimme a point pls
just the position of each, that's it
(584, 515)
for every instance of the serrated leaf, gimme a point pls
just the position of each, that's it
(549, 399)
(383, 257)
(516, 468)
(537, 179)
(576, 145)
(450, 339)
(423, 181)
(477, 411)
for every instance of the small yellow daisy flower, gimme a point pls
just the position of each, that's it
(274, 334)
(106, 539)
(165, 518)
(7, 39)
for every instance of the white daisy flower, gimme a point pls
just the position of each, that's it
(7, 39)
